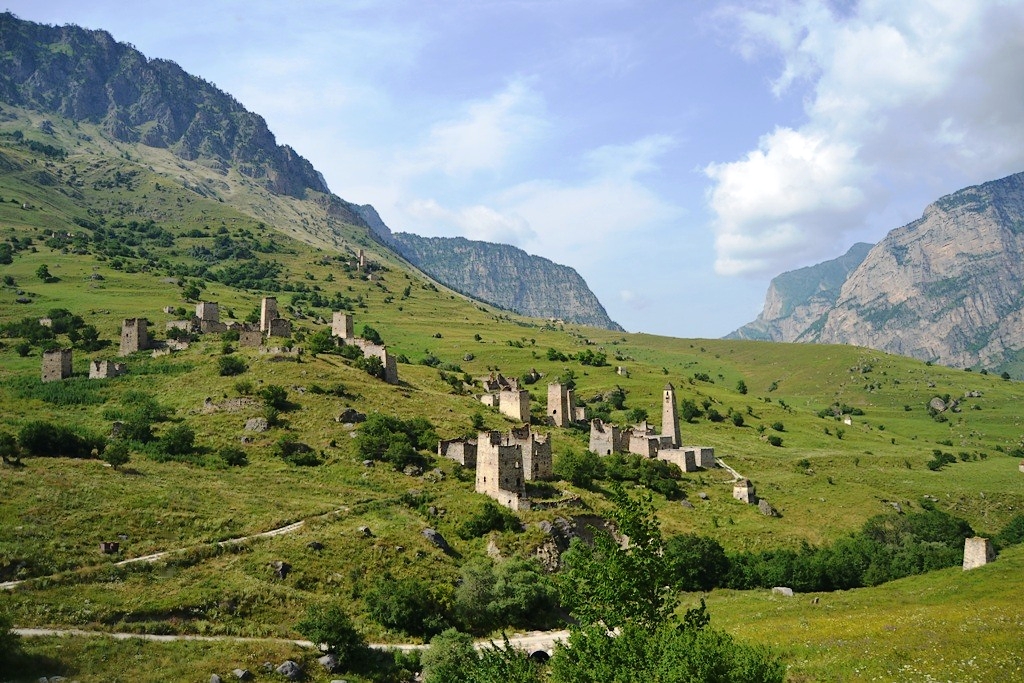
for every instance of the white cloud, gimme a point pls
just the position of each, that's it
(487, 136)
(473, 222)
(903, 99)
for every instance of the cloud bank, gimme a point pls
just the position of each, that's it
(900, 98)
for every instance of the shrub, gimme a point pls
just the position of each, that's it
(778, 426)
(405, 605)
(774, 440)
(450, 657)
(116, 454)
(737, 419)
(332, 628)
(492, 517)
(579, 468)
(234, 457)
(231, 365)
(178, 440)
(696, 563)
(274, 396)
(44, 439)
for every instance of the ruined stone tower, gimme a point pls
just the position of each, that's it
(341, 326)
(208, 311)
(561, 411)
(515, 403)
(605, 439)
(669, 415)
(134, 336)
(499, 472)
(56, 365)
(268, 313)
(978, 551)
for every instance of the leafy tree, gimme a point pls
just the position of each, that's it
(607, 585)
(688, 410)
(321, 341)
(234, 457)
(117, 454)
(371, 335)
(10, 451)
(331, 628)
(10, 645)
(43, 273)
(450, 657)
(741, 387)
(478, 422)
(274, 396)
(636, 415)
(492, 517)
(405, 605)
(695, 563)
(23, 348)
(579, 468)
(179, 439)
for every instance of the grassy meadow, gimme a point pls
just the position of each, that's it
(825, 479)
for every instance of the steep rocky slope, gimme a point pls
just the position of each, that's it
(798, 299)
(946, 287)
(506, 277)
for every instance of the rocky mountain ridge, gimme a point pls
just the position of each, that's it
(87, 76)
(945, 288)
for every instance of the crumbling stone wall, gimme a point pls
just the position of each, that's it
(279, 327)
(105, 369)
(56, 365)
(462, 451)
(561, 408)
(249, 336)
(683, 457)
(208, 311)
(604, 438)
(744, 490)
(537, 462)
(342, 326)
(499, 471)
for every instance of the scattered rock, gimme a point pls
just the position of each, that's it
(257, 424)
(315, 545)
(687, 504)
(493, 551)
(765, 508)
(412, 470)
(214, 678)
(329, 662)
(702, 495)
(281, 568)
(435, 475)
(290, 670)
(937, 404)
(247, 440)
(367, 463)
(783, 590)
(242, 674)
(437, 539)
(815, 601)
(365, 531)
(351, 416)
(266, 668)
(896, 506)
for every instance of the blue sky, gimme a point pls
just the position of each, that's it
(678, 154)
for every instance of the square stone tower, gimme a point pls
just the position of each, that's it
(561, 411)
(978, 551)
(207, 311)
(669, 416)
(56, 365)
(134, 336)
(515, 403)
(341, 326)
(604, 438)
(499, 472)
(268, 312)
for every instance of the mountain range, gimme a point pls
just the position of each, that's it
(946, 287)
(88, 76)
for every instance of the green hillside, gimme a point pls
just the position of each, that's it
(125, 230)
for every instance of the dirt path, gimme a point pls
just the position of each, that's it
(156, 557)
(531, 641)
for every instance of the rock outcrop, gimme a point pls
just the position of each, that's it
(946, 287)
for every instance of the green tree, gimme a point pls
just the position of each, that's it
(450, 657)
(228, 366)
(43, 273)
(331, 628)
(579, 468)
(688, 410)
(179, 439)
(741, 387)
(10, 451)
(116, 454)
(371, 335)
(695, 563)
(274, 396)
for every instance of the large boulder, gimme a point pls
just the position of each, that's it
(329, 662)
(290, 670)
(437, 539)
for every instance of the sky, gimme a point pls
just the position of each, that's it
(677, 153)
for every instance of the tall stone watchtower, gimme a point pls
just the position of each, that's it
(208, 311)
(134, 336)
(56, 365)
(268, 313)
(499, 471)
(341, 326)
(561, 411)
(669, 416)
(978, 551)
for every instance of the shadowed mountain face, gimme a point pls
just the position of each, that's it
(88, 76)
(946, 287)
(506, 277)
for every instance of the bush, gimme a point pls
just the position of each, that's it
(234, 457)
(291, 450)
(274, 396)
(44, 439)
(696, 563)
(231, 365)
(388, 438)
(332, 628)
(774, 440)
(492, 517)
(579, 468)
(178, 440)
(116, 454)
(450, 657)
(405, 605)
(778, 426)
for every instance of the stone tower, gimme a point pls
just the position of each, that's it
(207, 311)
(341, 326)
(669, 416)
(514, 403)
(978, 551)
(560, 411)
(268, 313)
(134, 336)
(499, 472)
(56, 365)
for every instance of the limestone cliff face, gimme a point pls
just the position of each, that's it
(798, 300)
(504, 276)
(947, 287)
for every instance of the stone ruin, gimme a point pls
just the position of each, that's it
(56, 365)
(744, 491)
(562, 410)
(105, 369)
(208, 317)
(342, 330)
(642, 439)
(462, 451)
(271, 324)
(134, 336)
(978, 551)
(505, 393)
